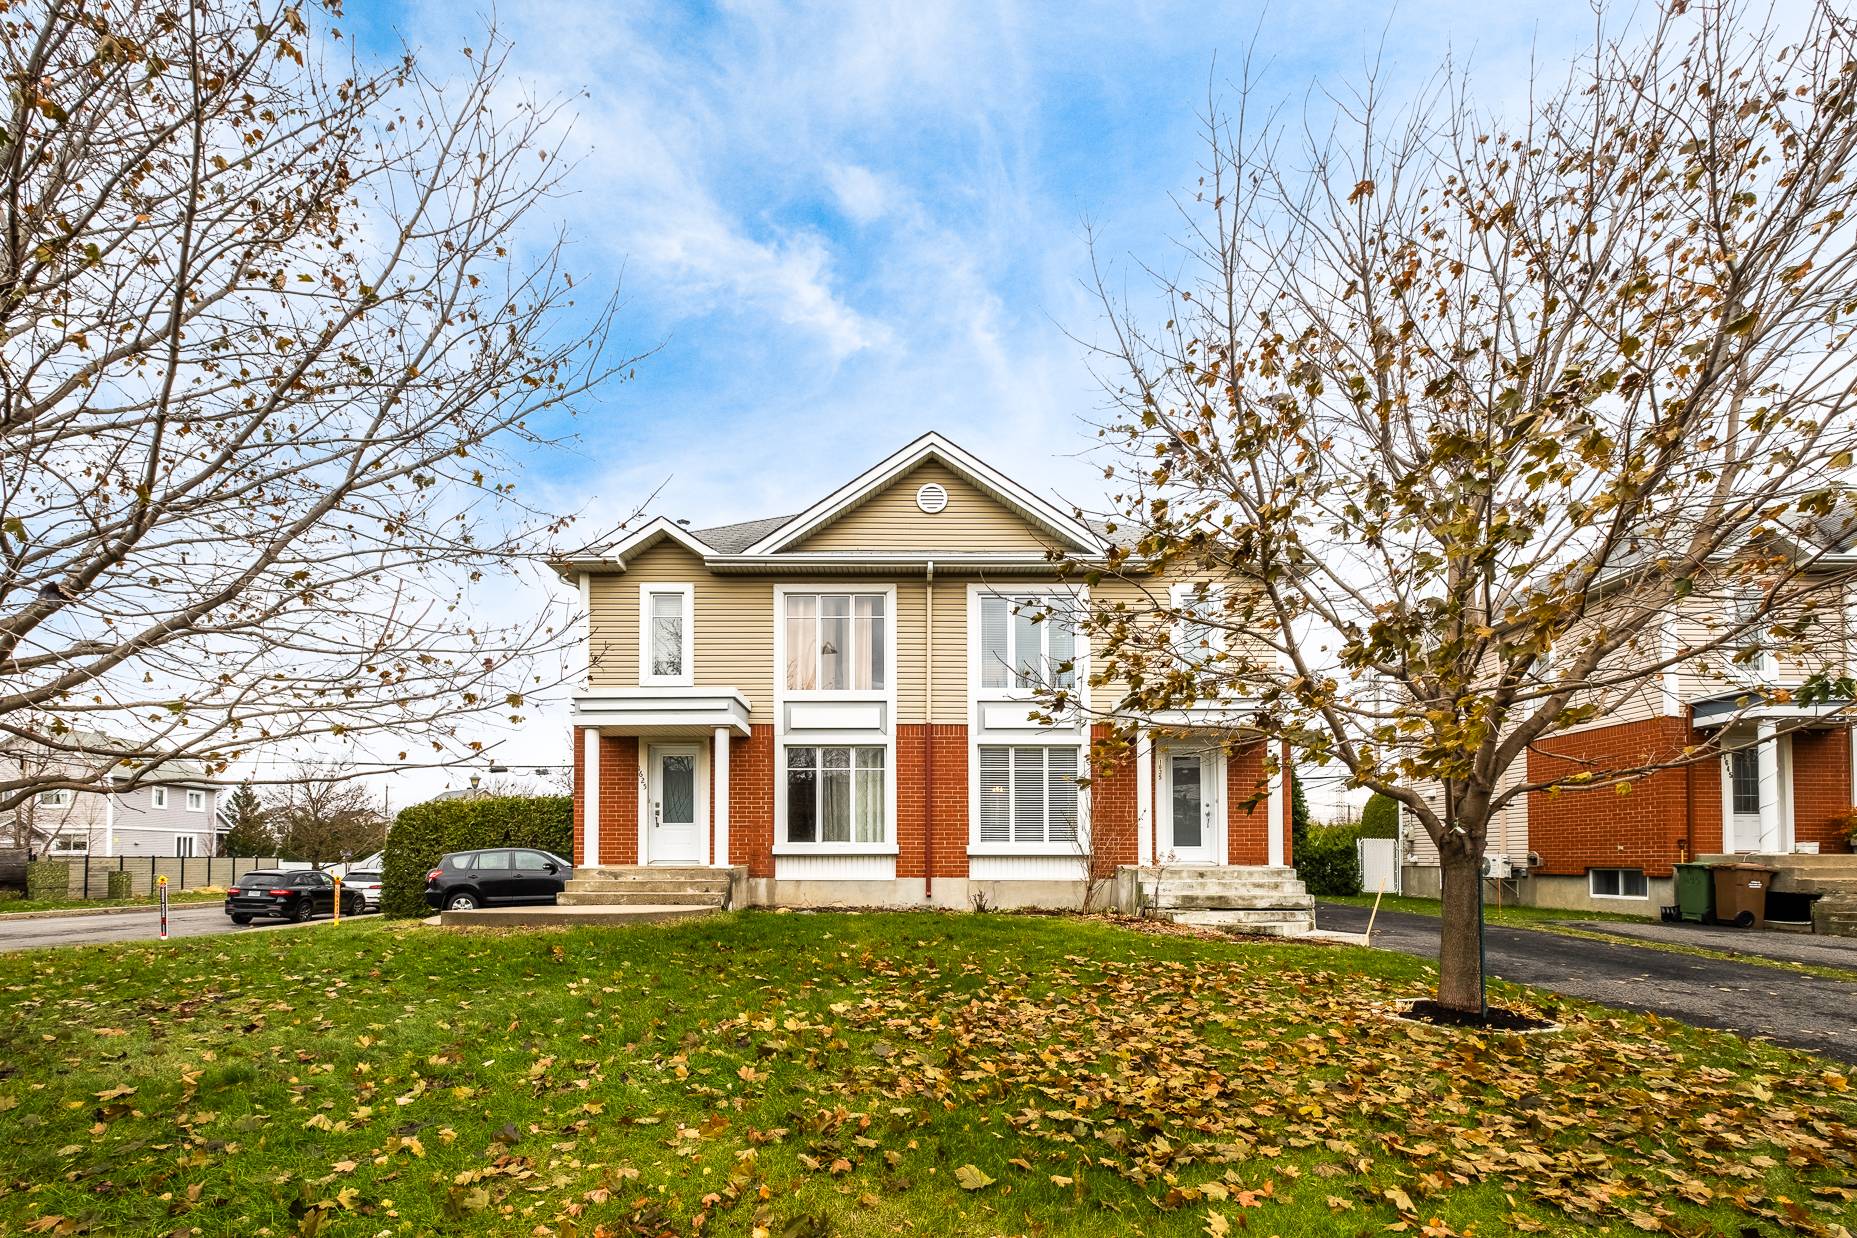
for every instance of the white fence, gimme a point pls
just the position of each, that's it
(1379, 864)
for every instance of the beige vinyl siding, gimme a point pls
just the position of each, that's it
(1144, 594)
(890, 520)
(950, 703)
(734, 618)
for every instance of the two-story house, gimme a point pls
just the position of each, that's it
(171, 810)
(1745, 766)
(840, 705)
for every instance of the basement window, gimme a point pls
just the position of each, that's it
(1617, 883)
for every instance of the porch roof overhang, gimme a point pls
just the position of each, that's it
(662, 711)
(1729, 708)
(1232, 715)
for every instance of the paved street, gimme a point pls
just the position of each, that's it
(193, 920)
(1802, 1011)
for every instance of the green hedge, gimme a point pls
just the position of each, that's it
(1328, 862)
(1380, 819)
(121, 883)
(47, 879)
(424, 832)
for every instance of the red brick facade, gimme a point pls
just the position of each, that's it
(754, 782)
(1670, 815)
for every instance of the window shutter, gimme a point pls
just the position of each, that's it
(995, 793)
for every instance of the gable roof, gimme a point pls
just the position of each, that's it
(1063, 527)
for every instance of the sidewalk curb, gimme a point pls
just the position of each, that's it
(104, 911)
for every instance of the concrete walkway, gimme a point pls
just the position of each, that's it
(1801, 1011)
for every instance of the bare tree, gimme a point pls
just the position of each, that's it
(273, 334)
(324, 817)
(1469, 414)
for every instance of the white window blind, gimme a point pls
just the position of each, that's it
(1023, 647)
(1028, 795)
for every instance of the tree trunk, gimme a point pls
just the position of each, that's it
(1460, 958)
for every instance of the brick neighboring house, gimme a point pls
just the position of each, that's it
(1779, 780)
(172, 811)
(839, 702)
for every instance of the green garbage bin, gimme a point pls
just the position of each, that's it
(1695, 893)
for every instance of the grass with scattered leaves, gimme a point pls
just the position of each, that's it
(810, 1075)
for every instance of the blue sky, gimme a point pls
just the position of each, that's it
(842, 225)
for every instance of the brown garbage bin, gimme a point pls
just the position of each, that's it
(1741, 894)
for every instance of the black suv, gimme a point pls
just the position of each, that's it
(293, 896)
(466, 879)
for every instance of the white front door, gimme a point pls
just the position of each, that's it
(673, 822)
(1744, 800)
(1191, 808)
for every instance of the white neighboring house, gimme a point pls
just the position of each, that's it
(172, 811)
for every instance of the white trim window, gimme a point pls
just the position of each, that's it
(59, 798)
(158, 797)
(1029, 796)
(196, 801)
(1751, 650)
(1199, 634)
(71, 844)
(1026, 641)
(666, 635)
(836, 642)
(1617, 883)
(183, 846)
(836, 795)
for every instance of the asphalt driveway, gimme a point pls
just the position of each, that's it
(1805, 1012)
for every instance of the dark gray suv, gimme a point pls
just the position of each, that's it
(496, 875)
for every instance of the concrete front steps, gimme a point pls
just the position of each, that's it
(1263, 900)
(1833, 877)
(652, 885)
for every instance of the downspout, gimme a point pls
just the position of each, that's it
(928, 734)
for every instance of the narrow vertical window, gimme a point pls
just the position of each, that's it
(995, 656)
(667, 635)
(834, 642)
(802, 795)
(870, 642)
(802, 641)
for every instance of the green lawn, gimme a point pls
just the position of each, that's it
(806, 1075)
(175, 899)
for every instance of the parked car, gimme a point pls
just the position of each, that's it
(466, 879)
(290, 896)
(366, 883)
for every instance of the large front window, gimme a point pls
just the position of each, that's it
(1028, 795)
(835, 795)
(835, 642)
(1025, 642)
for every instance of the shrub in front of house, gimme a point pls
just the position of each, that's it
(1380, 818)
(48, 879)
(1329, 863)
(424, 832)
(121, 883)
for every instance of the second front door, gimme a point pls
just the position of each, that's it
(1190, 807)
(674, 832)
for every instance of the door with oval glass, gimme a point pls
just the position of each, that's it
(674, 796)
(1192, 808)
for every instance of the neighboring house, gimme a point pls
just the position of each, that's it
(172, 811)
(1775, 778)
(841, 702)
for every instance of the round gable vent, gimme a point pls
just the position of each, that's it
(932, 497)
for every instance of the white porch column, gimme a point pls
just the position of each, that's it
(1144, 797)
(1277, 830)
(1772, 807)
(590, 795)
(719, 800)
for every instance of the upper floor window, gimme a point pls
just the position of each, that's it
(1025, 643)
(836, 642)
(665, 650)
(1753, 653)
(1199, 634)
(158, 797)
(61, 798)
(196, 801)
